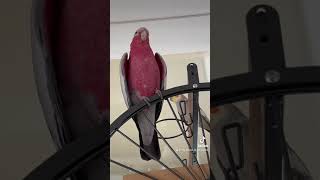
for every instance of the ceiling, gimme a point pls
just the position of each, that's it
(166, 36)
(137, 9)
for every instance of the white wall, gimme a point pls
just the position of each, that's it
(114, 177)
(310, 9)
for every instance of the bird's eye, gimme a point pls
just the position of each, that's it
(136, 32)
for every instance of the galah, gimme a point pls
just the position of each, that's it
(143, 74)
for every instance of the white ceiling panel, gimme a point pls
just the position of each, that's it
(137, 9)
(170, 36)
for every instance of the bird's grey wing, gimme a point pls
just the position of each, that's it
(45, 78)
(123, 79)
(163, 71)
(144, 120)
(163, 81)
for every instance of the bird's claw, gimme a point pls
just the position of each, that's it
(147, 101)
(159, 94)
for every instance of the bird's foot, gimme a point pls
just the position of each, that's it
(159, 94)
(146, 100)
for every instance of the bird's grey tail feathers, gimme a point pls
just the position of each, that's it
(146, 121)
(147, 135)
(153, 148)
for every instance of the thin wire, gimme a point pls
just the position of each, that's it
(184, 134)
(299, 159)
(175, 136)
(161, 18)
(177, 156)
(127, 167)
(124, 135)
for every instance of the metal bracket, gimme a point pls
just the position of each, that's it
(193, 80)
(267, 56)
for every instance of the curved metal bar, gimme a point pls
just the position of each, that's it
(169, 146)
(253, 84)
(77, 153)
(173, 119)
(164, 165)
(224, 90)
(72, 156)
(123, 118)
(185, 137)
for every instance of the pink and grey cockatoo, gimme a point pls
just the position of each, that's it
(142, 75)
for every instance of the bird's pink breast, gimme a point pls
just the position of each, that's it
(144, 75)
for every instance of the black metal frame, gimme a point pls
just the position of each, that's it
(250, 85)
(253, 85)
(269, 78)
(123, 118)
(267, 55)
(193, 79)
(74, 155)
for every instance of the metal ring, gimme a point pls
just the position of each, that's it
(253, 85)
(77, 153)
(250, 85)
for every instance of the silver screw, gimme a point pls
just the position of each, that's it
(272, 76)
(261, 10)
(195, 85)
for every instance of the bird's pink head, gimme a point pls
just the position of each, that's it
(140, 38)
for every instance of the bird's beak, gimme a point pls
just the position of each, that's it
(144, 35)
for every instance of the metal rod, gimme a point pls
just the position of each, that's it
(124, 135)
(172, 119)
(266, 54)
(185, 113)
(177, 156)
(274, 145)
(193, 79)
(127, 167)
(126, 116)
(185, 137)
